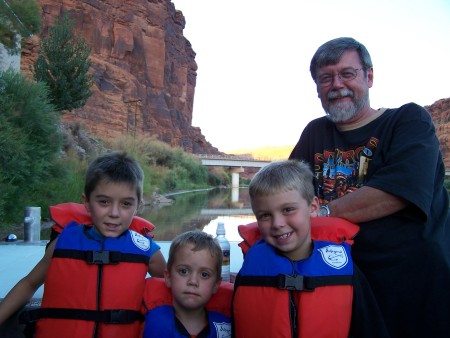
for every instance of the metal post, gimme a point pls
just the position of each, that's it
(32, 224)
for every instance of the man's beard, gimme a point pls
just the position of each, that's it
(340, 112)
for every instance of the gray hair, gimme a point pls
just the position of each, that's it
(331, 52)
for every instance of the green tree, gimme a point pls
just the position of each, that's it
(30, 142)
(63, 64)
(18, 19)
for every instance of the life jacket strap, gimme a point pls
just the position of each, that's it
(294, 282)
(103, 316)
(101, 256)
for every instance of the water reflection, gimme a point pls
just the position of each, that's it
(202, 210)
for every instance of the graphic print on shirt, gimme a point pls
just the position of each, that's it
(339, 171)
(223, 330)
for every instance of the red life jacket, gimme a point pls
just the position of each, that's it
(324, 312)
(84, 292)
(156, 294)
(331, 229)
(64, 213)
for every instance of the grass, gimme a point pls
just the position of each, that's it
(166, 169)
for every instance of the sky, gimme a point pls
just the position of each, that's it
(253, 86)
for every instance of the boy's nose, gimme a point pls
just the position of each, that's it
(115, 210)
(193, 280)
(278, 221)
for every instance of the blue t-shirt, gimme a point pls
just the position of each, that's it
(162, 323)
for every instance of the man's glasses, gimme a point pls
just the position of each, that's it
(346, 74)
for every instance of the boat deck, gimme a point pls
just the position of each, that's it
(17, 259)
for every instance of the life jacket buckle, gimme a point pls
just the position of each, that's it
(100, 257)
(114, 316)
(293, 283)
(120, 316)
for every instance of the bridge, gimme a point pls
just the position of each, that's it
(236, 163)
(231, 161)
(230, 212)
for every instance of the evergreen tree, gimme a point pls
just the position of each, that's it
(63, 64)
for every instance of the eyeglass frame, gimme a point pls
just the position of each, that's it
(332, 76)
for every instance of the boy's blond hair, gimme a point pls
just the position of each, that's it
(282, 176)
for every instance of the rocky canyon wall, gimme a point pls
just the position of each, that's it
(144, 68)
(145, 72)
(440, 112)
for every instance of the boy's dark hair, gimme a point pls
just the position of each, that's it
(200, 241)
(282, 176)
(331, 52)
(116, 167)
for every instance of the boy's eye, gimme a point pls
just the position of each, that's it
(288, 210)
(183, 271)
(264, 216)
(127, 204)
(103, 202)
(205, 274)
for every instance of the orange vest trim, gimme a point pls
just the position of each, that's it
(337, 230)
(64, 213)
(156, 294)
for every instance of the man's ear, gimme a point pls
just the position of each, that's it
(370, 77)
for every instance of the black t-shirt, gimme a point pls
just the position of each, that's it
(406, 255)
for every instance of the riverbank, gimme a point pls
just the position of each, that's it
(155, 201)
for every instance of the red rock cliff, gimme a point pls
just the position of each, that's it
(145, 69)
(440, 112)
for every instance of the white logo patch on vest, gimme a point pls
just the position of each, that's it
(223, 330)
(334, 255)
(140, 241)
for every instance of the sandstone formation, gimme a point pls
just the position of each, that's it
(440, 112)
(144, 68)
(145, 72)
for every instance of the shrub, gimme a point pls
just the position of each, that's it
(29, 141)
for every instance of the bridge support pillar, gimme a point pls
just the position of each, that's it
(235, 176)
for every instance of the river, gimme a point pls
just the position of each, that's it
(201, 210)
(194, 210)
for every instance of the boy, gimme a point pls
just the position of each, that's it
(94, 275)
(193, 276)
(289, 285)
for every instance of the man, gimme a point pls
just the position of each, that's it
(382, 169)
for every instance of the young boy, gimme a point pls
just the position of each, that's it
(290, 285)
(94, 275)
(193, 276)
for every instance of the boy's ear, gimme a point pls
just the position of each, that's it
(217, 285)
(85, 202)
(167, 278)
(314, 207)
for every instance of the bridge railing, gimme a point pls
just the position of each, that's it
(225, 157)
